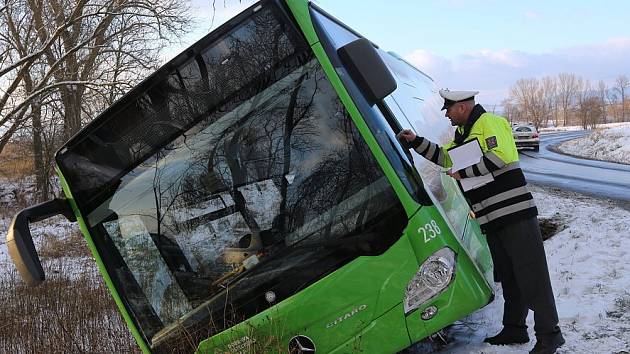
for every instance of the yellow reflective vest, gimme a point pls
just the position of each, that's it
(494, 133)
(506, 199)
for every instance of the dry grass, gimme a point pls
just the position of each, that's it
(16, 167)
(71, 312)
(16, 161)
(55, 248)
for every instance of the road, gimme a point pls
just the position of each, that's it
(595, 178)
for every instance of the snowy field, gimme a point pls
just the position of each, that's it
(578, 127)
(587, 260)
(607, 144)
(590, 275)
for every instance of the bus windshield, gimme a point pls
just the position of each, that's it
(237, 174)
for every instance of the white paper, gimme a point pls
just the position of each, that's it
(465, 155)
(474, 182)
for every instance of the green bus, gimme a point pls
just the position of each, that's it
(251, 196)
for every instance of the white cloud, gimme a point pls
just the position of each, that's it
(494, 72)
(429, 62)
(508, 58)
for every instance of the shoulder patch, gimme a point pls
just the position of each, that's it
(491, 142)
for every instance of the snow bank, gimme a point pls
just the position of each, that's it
(607, 144)
(560, 129)
(579, 127)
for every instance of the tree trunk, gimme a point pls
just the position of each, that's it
(41, 170)
(564, 116)
(623, 104)
(71, 97)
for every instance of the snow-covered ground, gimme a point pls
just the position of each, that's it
(608, 144)
(590, 275)
(56, 228)
(578, 127)
(560, 129)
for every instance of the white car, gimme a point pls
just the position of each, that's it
(526, 136)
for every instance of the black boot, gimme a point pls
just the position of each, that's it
(547, 343)
(509, 335)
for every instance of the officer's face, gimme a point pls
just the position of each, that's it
(456, 113)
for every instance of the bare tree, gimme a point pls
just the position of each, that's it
(529, 95)
(602, 95)
(523, 94)
(72, 52)
(548, 94)
(96, 28)
(612, 99)
(511, 110)
(567, 89)
(75, 40)
(622, 82)
(587, 104)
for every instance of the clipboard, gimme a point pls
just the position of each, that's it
(466, 155)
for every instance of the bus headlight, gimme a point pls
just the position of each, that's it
(434, 275)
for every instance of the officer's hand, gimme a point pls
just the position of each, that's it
(406, 134)
(454, 174)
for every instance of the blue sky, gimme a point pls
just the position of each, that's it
(484, 45)
(453, 27)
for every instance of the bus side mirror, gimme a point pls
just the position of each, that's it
(368, 70)
(20, 242)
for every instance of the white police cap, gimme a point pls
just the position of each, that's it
(452, 97)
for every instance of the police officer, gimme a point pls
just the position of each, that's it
(506, 212)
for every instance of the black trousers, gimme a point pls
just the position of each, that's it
(521, 267)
